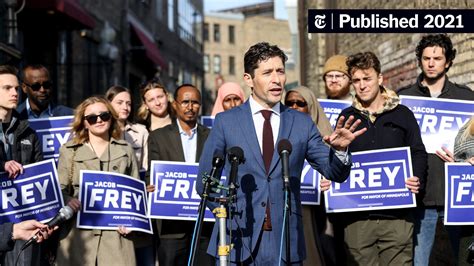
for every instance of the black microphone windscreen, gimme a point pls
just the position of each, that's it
(284, 145)
(236, 152)
(218, 160)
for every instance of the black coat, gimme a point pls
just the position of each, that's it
(434, 192)
(26, 147)
(392, 129)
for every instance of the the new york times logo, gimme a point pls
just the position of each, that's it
(390, 21)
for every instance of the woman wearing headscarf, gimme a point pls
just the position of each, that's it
(314, 219)
(229, 95)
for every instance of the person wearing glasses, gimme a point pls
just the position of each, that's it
(181, 141)
(336, 78)
(19, 146)
(38, 87)
(229, 95)
(96, 145)
(302, 99)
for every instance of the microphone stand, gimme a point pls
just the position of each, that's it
(287, 189)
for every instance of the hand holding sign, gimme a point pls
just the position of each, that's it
(445, 155)
(344, 133)
(325, 184)
(13, 168)
(413, 184)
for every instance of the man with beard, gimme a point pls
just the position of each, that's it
(435, 55)
(181, 141)
(336, 78)
(38, 87)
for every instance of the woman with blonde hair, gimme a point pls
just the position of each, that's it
(229, 95)
(314, 218)
(96, 145)
(155, 111)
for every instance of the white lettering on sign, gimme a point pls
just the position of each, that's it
(373, 178)
(464, 189)
(112, 197)
(183, 188)
(27, 192)
(435, 124)
(48, 140)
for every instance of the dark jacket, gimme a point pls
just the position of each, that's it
(6, 242)
(392, 128)
(26, 147)
(433, 195)
(56, 110)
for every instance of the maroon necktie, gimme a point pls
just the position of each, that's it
(268, 146)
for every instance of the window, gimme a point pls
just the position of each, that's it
(189, 22)
(206, 63)
(217, 64)
(217, 33)
(206, 32)
(171, 15)
(231, 65)
(231, 34)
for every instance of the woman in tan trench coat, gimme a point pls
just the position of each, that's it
(96, 145)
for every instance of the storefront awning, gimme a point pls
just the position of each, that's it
(151, 50)
(70, 8)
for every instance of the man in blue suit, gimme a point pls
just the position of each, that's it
(256, 219)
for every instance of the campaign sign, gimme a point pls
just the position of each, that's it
(207, 121)
(35, 194)
(439, 119)
(52, 133)
(376, 181)
(332, 109)
(175, 196)
(459, 194)
(110, 200)
(310, 190)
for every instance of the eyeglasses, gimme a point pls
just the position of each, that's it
(92, 119)
(37, 86)
(336, 77)
(185, 103)
(298, 103)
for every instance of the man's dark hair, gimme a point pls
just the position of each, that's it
(260, 52)
(363, 61)
(175, 95)
(34, 67)
(8, 69)
(441, 40)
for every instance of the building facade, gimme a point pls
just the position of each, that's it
(227, 36)
(89, 45)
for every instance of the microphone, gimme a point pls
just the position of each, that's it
(284, 149)
(236, 157)
(64, 214)
(217, 163)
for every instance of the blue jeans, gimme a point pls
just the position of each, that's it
(425, 230)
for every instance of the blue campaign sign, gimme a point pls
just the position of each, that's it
(207, 121)
(35, 194)
(376, 181)
(52, 133)
(110, 200)
(175, 196)
(439, 119)
(459, 194)
(332, 109)
(310, 190)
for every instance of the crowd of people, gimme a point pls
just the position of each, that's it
(105, 137)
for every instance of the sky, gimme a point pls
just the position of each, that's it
(216, 5)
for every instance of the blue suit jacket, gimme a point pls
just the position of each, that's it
(236, 128)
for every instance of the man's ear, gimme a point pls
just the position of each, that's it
(248, 80)
(380, 79)
(24, 88)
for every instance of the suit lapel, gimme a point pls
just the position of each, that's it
(248, 129)
(286, 123)
(201, 139)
